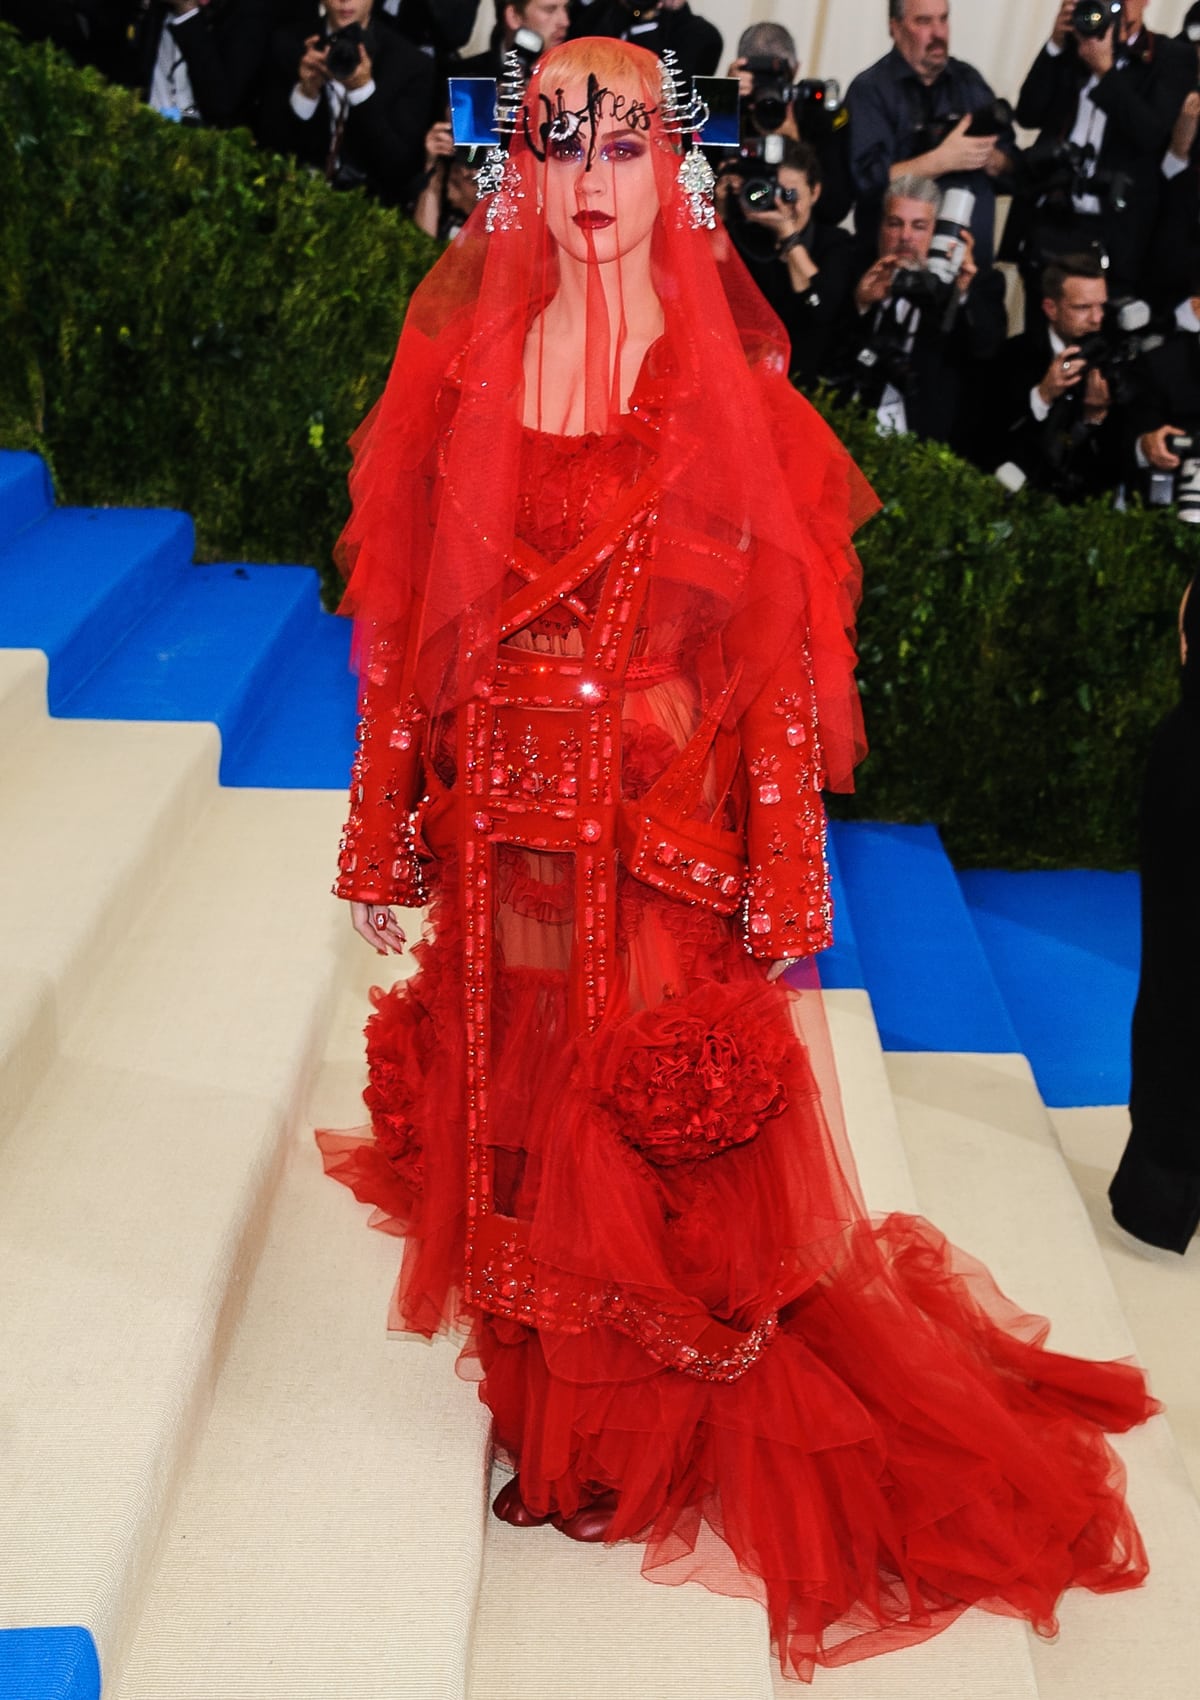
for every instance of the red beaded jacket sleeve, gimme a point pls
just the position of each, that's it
(378, 861)
(788, 909)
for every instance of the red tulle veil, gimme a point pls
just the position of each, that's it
(755, 482)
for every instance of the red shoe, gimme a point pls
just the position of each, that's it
(592, 1521)
(509, 1507)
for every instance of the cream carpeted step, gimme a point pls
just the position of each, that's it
(991, 1174)
(327, 1538)
(23, 676)
(558, 1621)
(134, 1186)
(90, 814)
(1159, 1292)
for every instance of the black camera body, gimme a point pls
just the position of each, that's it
(771, 92)
(1129, 332)
(1092, 19)
(993, 119)
(342, 47)
(757, 164)
(1055, 174)
(814, 102)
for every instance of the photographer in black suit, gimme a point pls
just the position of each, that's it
(1115, 91)
(776, 103)
(1055, 420)
(201, 64)
(804, 268)
(351, 99)
(924, 324)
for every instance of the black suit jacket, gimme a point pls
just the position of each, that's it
(1140, 97)
(949, 369)
(695, 42)
(810, 317)
(1061, 454)
(224, 48)
(383, 141)
(1174, 269)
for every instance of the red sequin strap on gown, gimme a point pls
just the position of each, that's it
(672, 1290)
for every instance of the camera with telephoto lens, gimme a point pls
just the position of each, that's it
(1092, 19)
(342, 47)
(887, 356)
(1179, 489)
(932, 285)
(993, 119)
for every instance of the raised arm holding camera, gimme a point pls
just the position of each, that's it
(349, 98)
(777, 101)
(1070, 378)
(924, 323)
(919, 112)
(804, 268)
(1104, 93)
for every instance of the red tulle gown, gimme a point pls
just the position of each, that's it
(598, 1126)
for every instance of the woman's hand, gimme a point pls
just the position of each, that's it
(376, 923)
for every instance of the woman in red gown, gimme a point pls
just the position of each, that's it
(600, 563)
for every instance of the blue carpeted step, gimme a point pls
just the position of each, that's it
(211, 650)
(25, 492)
(930, 982)
(304, 735)
(1064, 949)
(48, 1664)
(74, 584)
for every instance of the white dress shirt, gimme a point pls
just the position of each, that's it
(170, 86)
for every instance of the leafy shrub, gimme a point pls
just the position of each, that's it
(189, 322)
(1015, 657)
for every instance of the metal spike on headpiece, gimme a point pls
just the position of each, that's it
(510, 93)
(684, 112)
(683, 109)
(498, 180)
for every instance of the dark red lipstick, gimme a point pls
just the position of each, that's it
(594, 220)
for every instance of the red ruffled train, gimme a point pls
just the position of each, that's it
(900, 1447)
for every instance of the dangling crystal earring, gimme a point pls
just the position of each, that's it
(498, 179)
(685, 112)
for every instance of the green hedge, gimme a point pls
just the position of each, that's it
(186, 321)
(1015, 658)
(189, 322)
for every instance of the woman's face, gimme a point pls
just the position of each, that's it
(601, 193)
